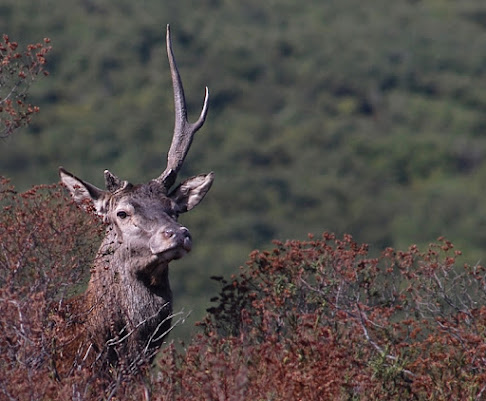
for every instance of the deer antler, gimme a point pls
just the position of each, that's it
(183, 130)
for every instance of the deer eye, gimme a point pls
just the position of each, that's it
(122, 215)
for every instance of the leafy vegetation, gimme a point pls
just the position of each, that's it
(316, 319)
(17, 71)
(320, 320)
(343, 116)
(358, 116)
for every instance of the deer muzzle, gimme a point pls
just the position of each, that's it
(175, 239)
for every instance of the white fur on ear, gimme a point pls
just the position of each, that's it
(192, 191)
(82, 191)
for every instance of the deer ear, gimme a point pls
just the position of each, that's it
(192, 191)
(82, 191)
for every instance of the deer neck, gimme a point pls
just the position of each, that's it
(126, 290)
(117, 262)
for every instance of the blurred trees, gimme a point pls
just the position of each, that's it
(337, 115)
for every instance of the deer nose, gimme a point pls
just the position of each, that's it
(173, 238)
(180, 237)
(187, 239)
(168, 234)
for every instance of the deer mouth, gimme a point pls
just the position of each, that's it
(172, 248)
(187, 244)
(171, 254)
(171, 243)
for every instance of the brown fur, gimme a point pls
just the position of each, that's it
(126, 310)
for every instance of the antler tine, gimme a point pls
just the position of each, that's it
(183, 130)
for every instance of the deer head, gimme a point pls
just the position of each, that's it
(145, 216)
(129, 288)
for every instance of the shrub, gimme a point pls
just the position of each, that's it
(18, 69)
(321, 320)
(308, 320)
(45, 254)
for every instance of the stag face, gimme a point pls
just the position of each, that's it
(143, 230)
(145, 221)
(142, 219)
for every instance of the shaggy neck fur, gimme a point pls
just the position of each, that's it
(131, 299)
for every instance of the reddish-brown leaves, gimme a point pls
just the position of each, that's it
(308, 320)
(46, 247)
(17, 71)
(408, 325)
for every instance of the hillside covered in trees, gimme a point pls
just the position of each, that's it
(342, 116)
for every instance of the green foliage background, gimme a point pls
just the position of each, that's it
(365, 117)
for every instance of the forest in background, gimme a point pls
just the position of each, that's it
(345, 116)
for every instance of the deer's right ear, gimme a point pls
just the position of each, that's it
(82, 191)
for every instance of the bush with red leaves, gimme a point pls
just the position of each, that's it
(309, 320)
(46, 249)
(18, 69)
(320, 320)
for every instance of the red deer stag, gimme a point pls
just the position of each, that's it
(127, 306)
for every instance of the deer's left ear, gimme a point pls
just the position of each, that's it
(192, 191)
